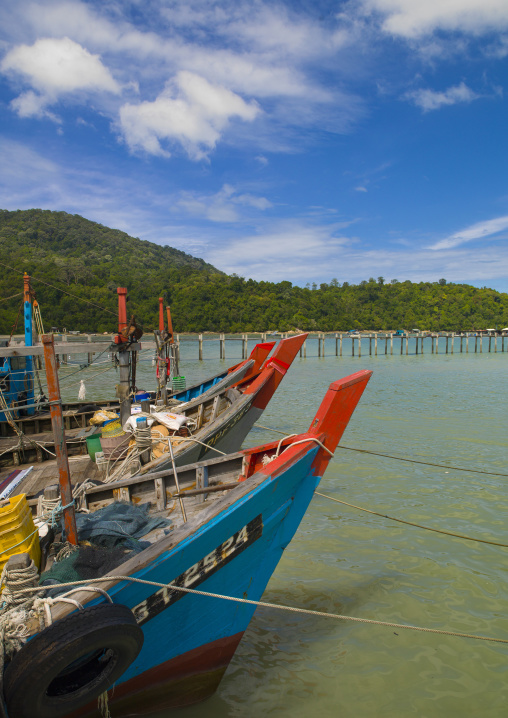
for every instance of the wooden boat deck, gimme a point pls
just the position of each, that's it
(39, 448)
(46, 473)
(75, 415)
(157, 491)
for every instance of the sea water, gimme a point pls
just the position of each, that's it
(441, 409)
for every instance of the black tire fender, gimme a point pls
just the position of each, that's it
(72, 662)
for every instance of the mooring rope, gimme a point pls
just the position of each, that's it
(410, 523)
(265, 604)
(397, 458)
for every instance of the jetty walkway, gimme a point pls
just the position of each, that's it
(328, 343)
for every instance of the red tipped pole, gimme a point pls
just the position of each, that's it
(122, 308)
(55, 407)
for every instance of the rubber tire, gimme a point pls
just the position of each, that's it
(33, 669)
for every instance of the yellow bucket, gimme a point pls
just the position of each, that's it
(17, 531)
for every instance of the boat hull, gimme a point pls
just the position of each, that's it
(190, 639)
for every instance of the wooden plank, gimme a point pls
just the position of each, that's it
(122, 493)
(160, 494)
(215, 408)
(202, 482)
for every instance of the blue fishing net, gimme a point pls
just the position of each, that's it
(118, 523)
(112, 536)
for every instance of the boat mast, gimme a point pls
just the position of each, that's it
(173, 348)
(29, 366)
(123, 389)
(62, 460)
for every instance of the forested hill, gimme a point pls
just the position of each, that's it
(90, 261)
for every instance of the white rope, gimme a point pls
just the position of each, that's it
(14, 581)
(264, 604)
(103, 705)
(268, 459)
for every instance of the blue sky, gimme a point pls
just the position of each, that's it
(279, 140)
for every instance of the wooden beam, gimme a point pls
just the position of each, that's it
(78, 348)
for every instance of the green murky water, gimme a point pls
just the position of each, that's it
(444, 409)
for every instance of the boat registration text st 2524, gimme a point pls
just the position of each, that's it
(199, 572)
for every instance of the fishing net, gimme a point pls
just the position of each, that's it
(112, 535)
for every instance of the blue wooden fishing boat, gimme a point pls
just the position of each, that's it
(161, 645)
(19, 376)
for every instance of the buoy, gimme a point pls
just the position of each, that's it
(82, 391)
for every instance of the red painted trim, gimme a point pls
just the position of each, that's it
(265, 384)
(279, 364)
(5, 483)
(122, 313)
(181, 681)
(328, 426)
(258, 355)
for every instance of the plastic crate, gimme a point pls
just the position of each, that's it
(17, 531)
(178, 383)
(11, 513)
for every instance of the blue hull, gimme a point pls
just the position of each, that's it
(190, 639)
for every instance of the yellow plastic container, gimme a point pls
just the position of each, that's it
(17, 531)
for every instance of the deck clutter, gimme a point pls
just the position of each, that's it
(113, 556)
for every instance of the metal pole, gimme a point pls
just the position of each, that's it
(161, 314)
(55, 407)
(90, 354)
(170, 323)
(175, 474)
(122, 389)
(29, 365)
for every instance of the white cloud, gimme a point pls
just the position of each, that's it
(290, 250)
(271, 56)
(415, 18)
(301, 253)
(221, 206)
(360, 189)
(190, 111)
(30, 104)
(54, 67)
(431, 100)
(480, 230)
